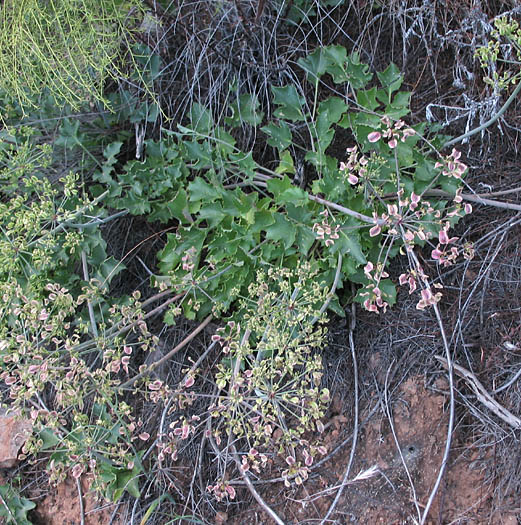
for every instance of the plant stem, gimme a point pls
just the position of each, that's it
(253, 490)
(478, 199)
(489, 122)
(338, 207)
(167, 356)
(89, 303)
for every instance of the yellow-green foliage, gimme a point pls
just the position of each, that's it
(68, 46)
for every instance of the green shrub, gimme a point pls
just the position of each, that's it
(71, 47)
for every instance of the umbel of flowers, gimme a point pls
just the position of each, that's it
(410, 218)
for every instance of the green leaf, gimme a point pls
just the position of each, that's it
(289, 102)
(236, 203)
(17, 506)
(200, 152)
(335, 108)
(223, 142)
(49, 439)
(405, 155)
(449, 184)
(135, 205)
(425, 171)
(201, 119)
(391, 79)
(278, 136)
(354, 72)
(285, 164)
(200, 190)
(356, 119)
(401, 100)
(170, 256)
(282, 230)
(323, 132)
(359, 75)
(315, 64)
(349, 243)
(277, 186)
(367, 99)
(321, 161)
(127, 480)
(295, 195)
(111, 150)
(247, 166)
(304, 239)
(284, 191)
(345, 68)
(336, 57)
(212, 213)
(262, 220)
(108, 269)
(245, 109)
(175, 208)
(69, 136)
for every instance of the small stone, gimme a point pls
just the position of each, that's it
(13, 434)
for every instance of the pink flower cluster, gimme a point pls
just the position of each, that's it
(183, 431)
(393, 132)
(410, 279)
(451, 165)
(374, 301)
(444, 254)
(254, 460)
(222, 489)
(188, 259)
(325, 231)
(458, 199)
(409, 209)
(428, 298)
(180, 430)
(225, 335)
(355, 167)
(296, 471)
(158, 391)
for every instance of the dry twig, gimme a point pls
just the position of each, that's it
(355, 432)
(482, 395)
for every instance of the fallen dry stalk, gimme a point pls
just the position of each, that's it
(483, 395)
(167, 356)
(252, 489)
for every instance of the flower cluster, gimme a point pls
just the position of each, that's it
(253, 460)
(451, 166)
(222, 489)
(428, 298)
(410, 279)
(180, 430)
(393, 133)
(275, 396)
(444, 254)
(355, 167)
(325, 231)
(362, 171)
(296, 472)
(374, 301)
(188, 259)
